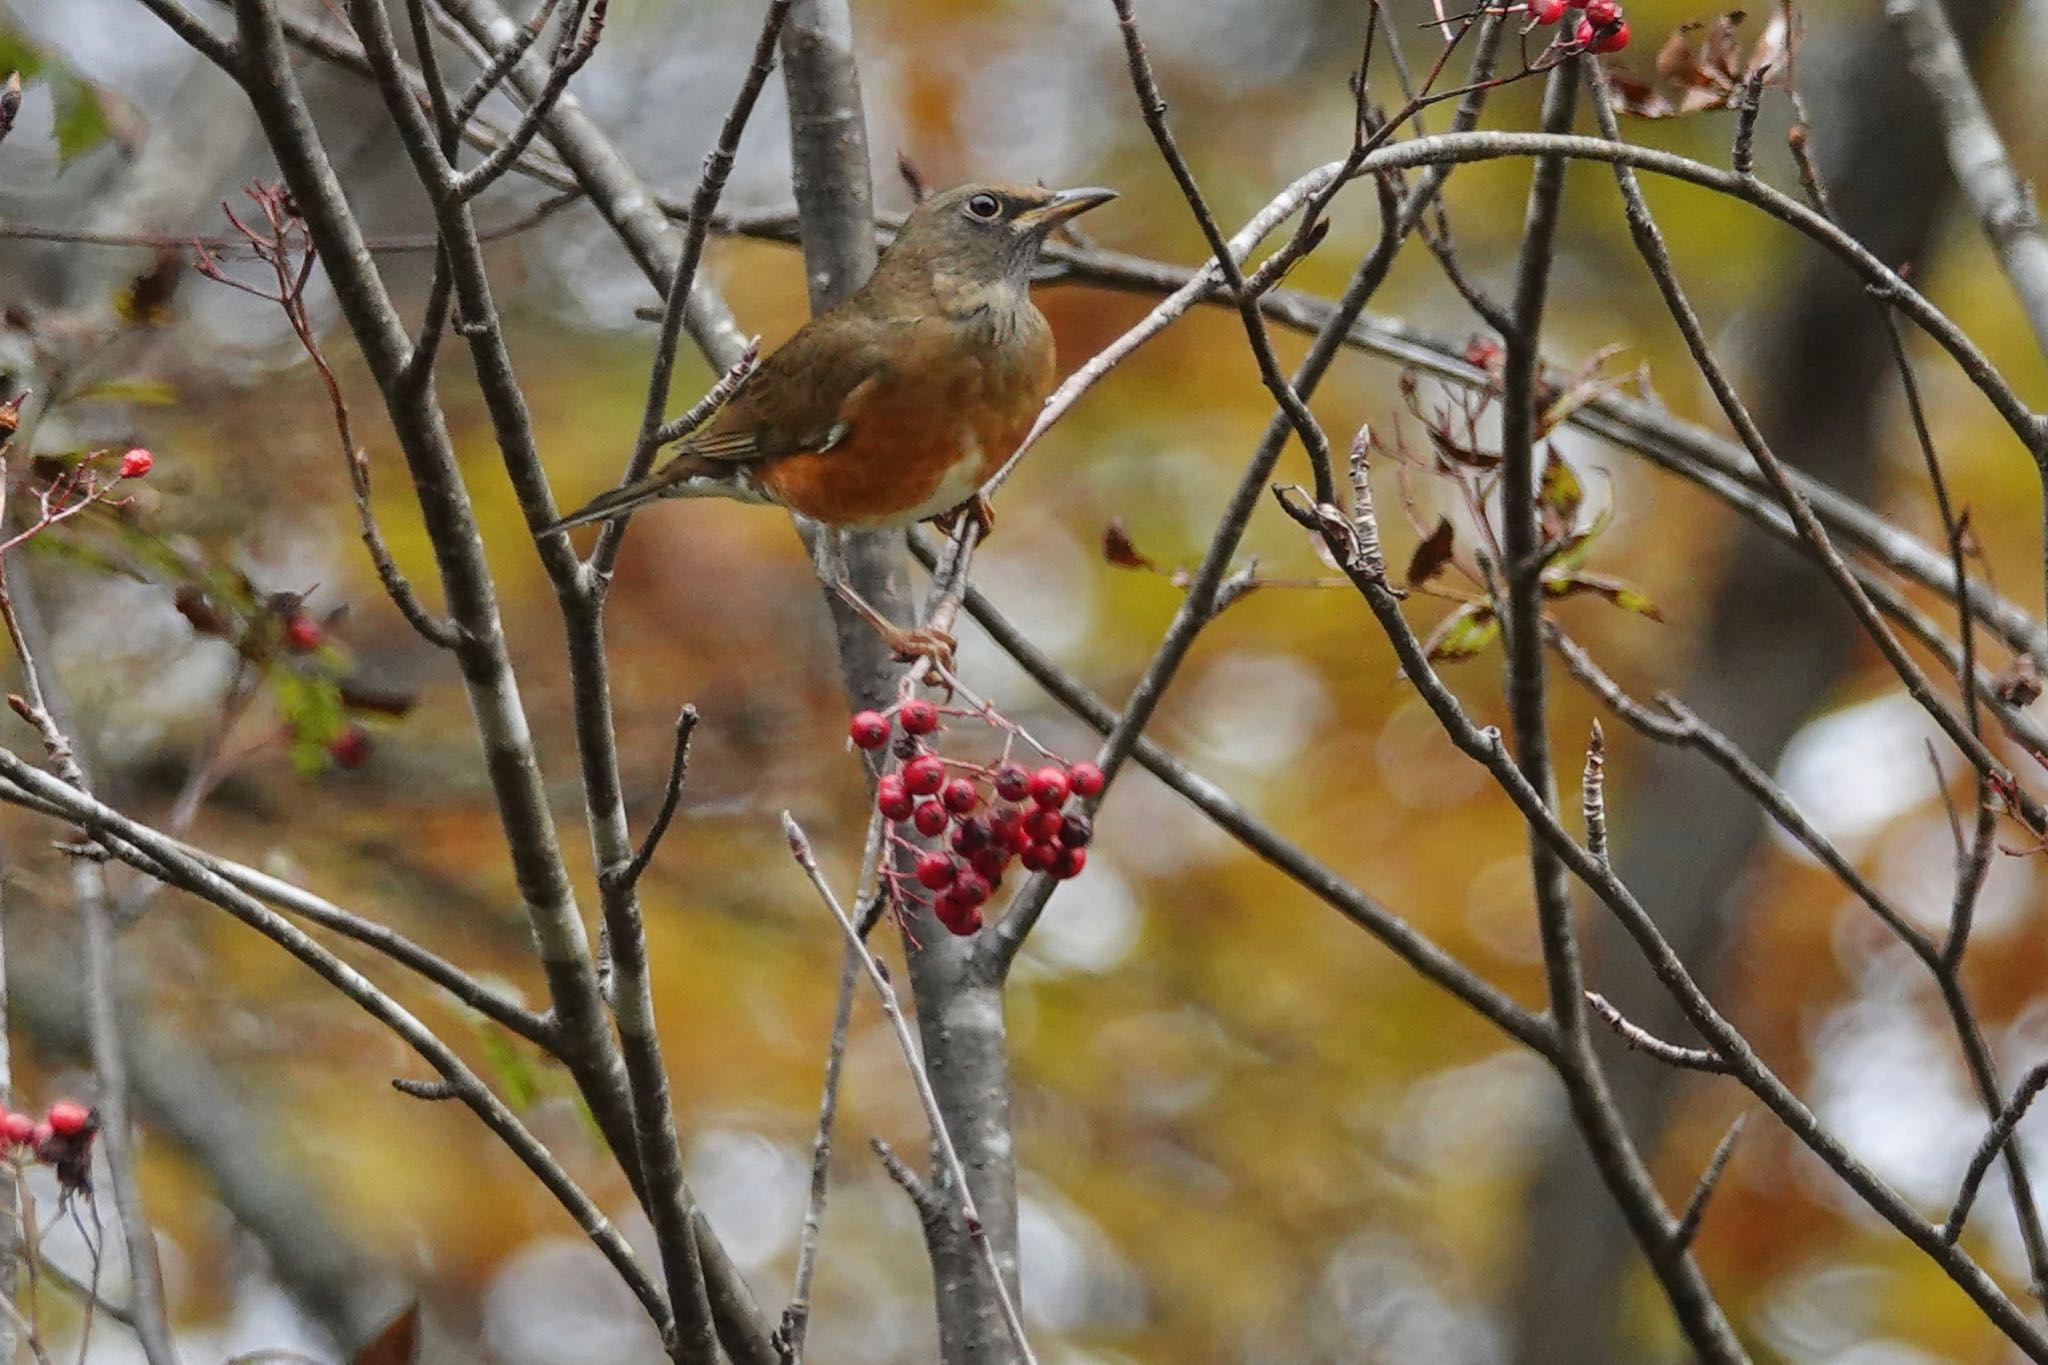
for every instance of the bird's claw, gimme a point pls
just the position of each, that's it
(977, 511)
(914, 643)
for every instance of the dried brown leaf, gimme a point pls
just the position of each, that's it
(1118, 549)
(1432, 555)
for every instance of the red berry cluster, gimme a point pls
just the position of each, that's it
(988, 815)
(62, 1137)
(1600, 29)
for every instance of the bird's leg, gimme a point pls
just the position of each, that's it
(906, 642)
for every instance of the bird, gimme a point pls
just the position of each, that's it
(897, 404)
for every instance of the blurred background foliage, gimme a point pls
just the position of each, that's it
(1246, 1132)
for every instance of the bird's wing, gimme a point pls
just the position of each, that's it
(807, 396)
(804, 398)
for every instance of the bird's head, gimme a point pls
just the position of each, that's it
(987, 233)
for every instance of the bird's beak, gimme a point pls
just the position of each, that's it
(1063, 205)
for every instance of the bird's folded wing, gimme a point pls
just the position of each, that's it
(809, 393)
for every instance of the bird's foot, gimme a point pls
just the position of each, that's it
(979, 513)
(908, 643)
(914, 643)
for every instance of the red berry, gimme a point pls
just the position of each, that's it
(1043, 825)
(892, 800)
(1075, 831)
(302, 632)
(68, 1118)
(1602, 12)
(924, 775)
(959, 796)
(935, 871)
(136, 463)
(919, 716)
(970, 888)
(990, 862)
(1597, 39)
(970, 836)
(1049, 788)
(1037, 857)
(1086, 779)
(350, 748)
(1546, 12)
(868, 730)
(930, 818)
(1007, 830)
(1069, 863)
(1012, 782)
(42, 1135)
(18, 1129)
(958, 916)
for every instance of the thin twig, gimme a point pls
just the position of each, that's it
(1696, 1207)
(1650, 246)
(718, 163)
(800, 849)
(480, 177)
(42, 708)
(133, 841)
(672, 795)
(1640, 1039)
(796, 1318)
(2002, 1128)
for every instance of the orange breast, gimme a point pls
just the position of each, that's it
(921, 443)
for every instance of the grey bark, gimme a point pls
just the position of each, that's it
(1775, 645)
(959, 1009)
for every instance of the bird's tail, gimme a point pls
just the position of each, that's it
(616, 503)
(682, 477)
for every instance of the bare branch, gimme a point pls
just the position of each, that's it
(142, 843)
(1318, 879)
(796, 1318)
(1199, 605)
(1650, 245)
(2003, 201)
(718, 163)
(480, 177)
(800, 849)
(715, 397)
(2002, 1128)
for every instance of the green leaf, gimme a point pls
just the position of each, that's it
(1463, 634)
(312, 709)
(17, 53)
(1559, 495)
(81, 121)
(511, 1069)
(1621, 594)
(1574, 549)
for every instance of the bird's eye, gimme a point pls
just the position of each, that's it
(984, 206)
